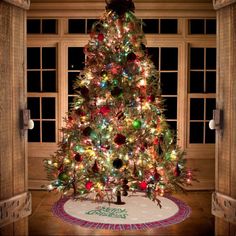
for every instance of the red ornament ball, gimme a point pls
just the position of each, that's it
(100, 37)
(120, 139)
(89, 185)
(151, 98)
(105, 110)
(156, 141)
(143, 185)
(78, 157)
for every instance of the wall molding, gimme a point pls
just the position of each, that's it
(15, 208)
(24, 4)
(218, 4)
(224, 207)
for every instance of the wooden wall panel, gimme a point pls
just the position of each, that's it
(226, 100)
(13, 152)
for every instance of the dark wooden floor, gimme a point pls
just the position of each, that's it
(42, 222)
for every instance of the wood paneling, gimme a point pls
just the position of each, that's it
(13, 151)
(226, 101)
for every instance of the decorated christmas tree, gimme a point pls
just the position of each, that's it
(116, 139)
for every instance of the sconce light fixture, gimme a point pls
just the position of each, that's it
(217, 121)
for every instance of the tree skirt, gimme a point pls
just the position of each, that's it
(139, 212)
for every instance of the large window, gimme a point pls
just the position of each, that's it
(42, 92)
(202, 89)
(182, 48)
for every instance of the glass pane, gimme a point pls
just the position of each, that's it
(169, 26)
(173, 125)
(49, 26)
(211, 58)
(33, 81)
(70, 102)
(48, 131)
(90, 23)
(169, 58)
(169, 83)
(34, 134)
(34, 107)
(197, 58)
(170, 104)
(196, 26)
(211, 26)
(75, 58)
(33, 58)
(150, 26)
(196, 109)
(196, 82)
(71, 78)
(33, 26)
(209, 135)
(49, 81)
(154, 55)
(210, 106)
(48, 108)
(196, 132)
(76, 26)
(49, 58)
(210, 82)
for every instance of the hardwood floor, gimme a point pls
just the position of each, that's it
(42, 222)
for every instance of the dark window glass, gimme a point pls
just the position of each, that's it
(169, 58)
(70, 102)
(76, 26)
(170, 105)
(48, 131)
(33, 26)
(71, 79)
(210, 82)
(49, 81)
(169, 26)
(196, 109)
(173, 126)
(150, 26)
(33, 58)
(154, 55)
(90, 23)
(169, 83)
(49, 26)
(196, 82)
(34, 134)
(196, 26)
(48, 108)
(209, 134)
(210, 106)
(196, 132)
(197, 58)
(210, 26)
(75, 58)
(33, 81)
(210, 58)
(34, 107)
(49, 58)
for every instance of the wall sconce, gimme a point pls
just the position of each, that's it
(217, 121)
(27, 123)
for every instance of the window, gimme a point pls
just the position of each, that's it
(202, 26)
(42, 89)
(80, 26)
(76, 60)
(160, 26)
(167, 67)
(182, 49)
(41, 26)
(202, 89)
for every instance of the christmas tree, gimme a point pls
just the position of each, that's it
(116, 138)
